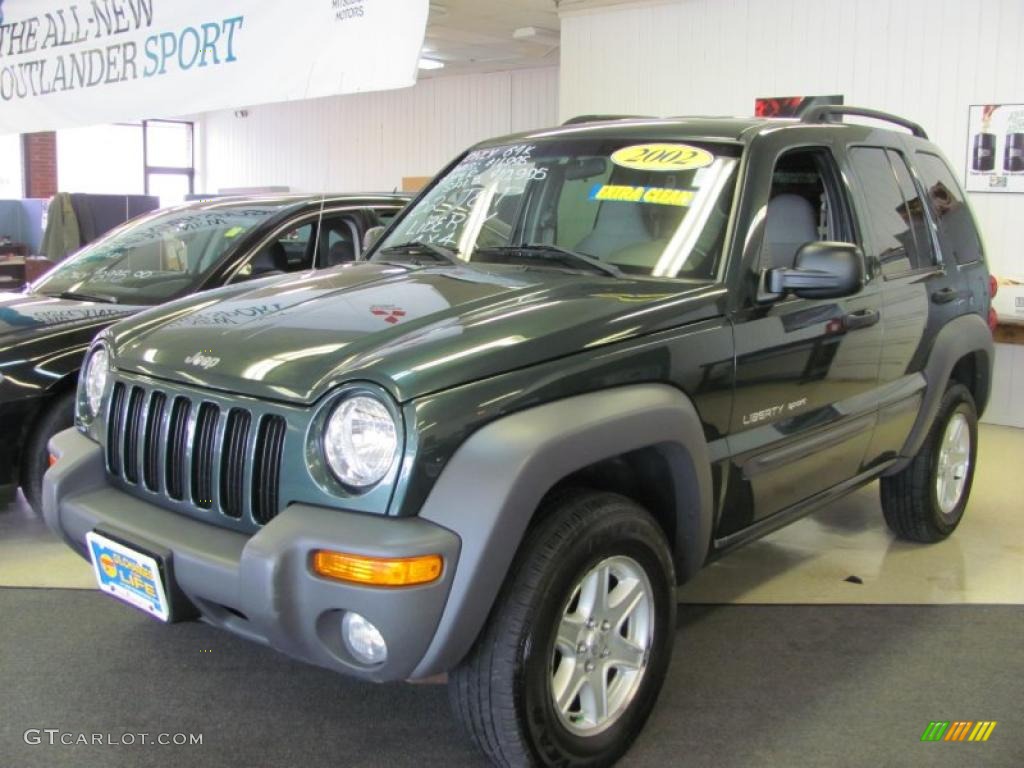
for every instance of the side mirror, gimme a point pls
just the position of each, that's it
(823, 270)
(371, 236)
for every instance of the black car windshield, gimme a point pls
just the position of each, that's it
(604, 206)
(156, 258)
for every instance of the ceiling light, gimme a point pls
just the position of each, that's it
(537, 35)
(426, 63)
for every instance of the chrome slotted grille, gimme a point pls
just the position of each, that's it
(193, 454)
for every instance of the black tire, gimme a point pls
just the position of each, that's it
(501, 692)
(58, 416)
(910, 499)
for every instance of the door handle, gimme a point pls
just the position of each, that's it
(944, 296)
(863, 318)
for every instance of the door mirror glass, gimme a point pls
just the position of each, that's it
(823, 270)
(371, 236)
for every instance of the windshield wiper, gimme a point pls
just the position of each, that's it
(76, 296)
(419, 246)
(555, 253)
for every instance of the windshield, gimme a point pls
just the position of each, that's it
(153, 259)
(599, 205)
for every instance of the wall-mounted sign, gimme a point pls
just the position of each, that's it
(995, 148)
(81, 62)
(791, 106)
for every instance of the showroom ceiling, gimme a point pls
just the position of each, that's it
(476, 35)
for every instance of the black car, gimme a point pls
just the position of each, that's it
(45, 330)
(585, 362)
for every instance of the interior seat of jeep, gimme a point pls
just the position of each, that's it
(790, 223)
(616, 227)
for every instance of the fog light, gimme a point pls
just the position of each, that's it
(363, 639)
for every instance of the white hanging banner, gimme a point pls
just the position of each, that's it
(82, 62)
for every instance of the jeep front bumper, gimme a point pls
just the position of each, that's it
(261, 586)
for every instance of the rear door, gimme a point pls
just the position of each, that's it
(806, 369)
(919, 291)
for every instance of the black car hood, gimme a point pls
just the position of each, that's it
(413, 330)
(32, 318)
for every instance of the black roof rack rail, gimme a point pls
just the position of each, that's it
(599, 118)
(825, 113)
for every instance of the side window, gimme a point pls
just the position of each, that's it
(958, 233)
(890, 235)
(386, 215)
(806, 204)
(339, 241)
(913, 213)
(290, 252)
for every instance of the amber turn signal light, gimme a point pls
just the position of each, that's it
(377, 571)
(52, 459)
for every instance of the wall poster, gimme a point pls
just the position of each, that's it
(995, 148)
(791, 106)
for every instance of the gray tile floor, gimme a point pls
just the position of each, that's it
(807, 562)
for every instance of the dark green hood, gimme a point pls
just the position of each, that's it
(412, 330)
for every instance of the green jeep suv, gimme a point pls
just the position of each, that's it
(581, 364)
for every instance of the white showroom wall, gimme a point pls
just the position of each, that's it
(11, 186)
(924, 59)
(369, 141)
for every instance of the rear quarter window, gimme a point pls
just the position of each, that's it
(958, 233)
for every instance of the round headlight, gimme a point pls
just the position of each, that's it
(96, 372)
(361, 441)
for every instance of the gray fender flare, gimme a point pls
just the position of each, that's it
(965, 335)
(490, 488)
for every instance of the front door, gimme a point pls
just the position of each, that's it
(806, 369)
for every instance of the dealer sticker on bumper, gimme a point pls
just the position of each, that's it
(128, 575)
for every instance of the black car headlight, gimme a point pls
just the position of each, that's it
(361, 440)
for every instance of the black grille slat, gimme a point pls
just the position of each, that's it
(151, 441)
(115, 427)
(232, 473)
(266, 474)
(132, 428)
(177, 444)
(218, 462)
(203, 458)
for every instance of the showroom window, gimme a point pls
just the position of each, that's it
(168, 159)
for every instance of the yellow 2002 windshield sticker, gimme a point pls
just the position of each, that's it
(625, 193)
(662, 157)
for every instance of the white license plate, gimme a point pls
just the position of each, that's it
(128, 575)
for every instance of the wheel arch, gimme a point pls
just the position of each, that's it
(39, 408)
(495, 482)
(963, 351)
